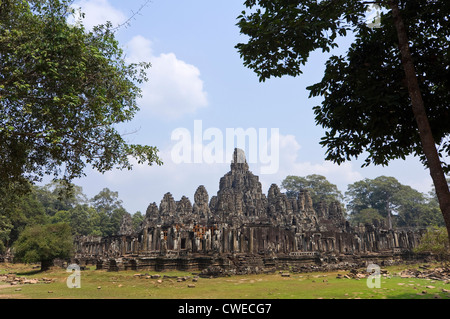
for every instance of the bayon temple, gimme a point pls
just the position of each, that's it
(241, 228)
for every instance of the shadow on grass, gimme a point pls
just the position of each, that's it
(29, 269)
(420, 296)
(30, 272)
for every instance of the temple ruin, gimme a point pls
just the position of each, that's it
(241, 228)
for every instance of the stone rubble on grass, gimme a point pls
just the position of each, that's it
(426, 272)
(159, 278)
(12, 279)
(441, 273)
(244, 231)
(355, 274)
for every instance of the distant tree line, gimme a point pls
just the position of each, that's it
(53, 204)
(380, 199)
(64, 89)
(41, 224)
(386, 98)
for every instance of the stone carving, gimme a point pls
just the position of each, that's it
(240, 223)
(183, 209)
(126, 227)
(167, 206)
(201, 204)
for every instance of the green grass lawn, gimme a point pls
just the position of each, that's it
(99, 284)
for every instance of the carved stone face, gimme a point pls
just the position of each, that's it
(241, 219)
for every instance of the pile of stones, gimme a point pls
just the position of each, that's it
(12, 279)
(424, 271)
(356, 273)
(428, 272)
(214, 272)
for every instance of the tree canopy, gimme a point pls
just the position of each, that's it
(44, 243)
(366, 107)
(100, 215)
(385, 197)
(387, 98)
(435, 241)
(320, 189)
(63, 90)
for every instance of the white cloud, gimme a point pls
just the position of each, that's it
(98, 12)
(291, 164)
(174, 87)
(146, 184)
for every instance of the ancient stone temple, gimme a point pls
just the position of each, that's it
(242, 228)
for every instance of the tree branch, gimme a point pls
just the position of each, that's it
(127, 22)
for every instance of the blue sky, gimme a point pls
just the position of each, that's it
(197, 75)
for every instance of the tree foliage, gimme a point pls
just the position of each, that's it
(367, 216)
(435, 241)
(44, 243)
(63, 90)
(374, 199)
(320, 189)
(387, 98)
(109, 212)
(282, 34)
(26, 210)
(5, 231)
(366, 108)
(137, 219)
(43, 205)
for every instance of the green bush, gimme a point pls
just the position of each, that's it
(44, 243)
(435, 241)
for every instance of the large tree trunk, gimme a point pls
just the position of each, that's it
(46, 264)
(418, 108)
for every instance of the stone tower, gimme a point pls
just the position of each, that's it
(241, 222)
(240, 193)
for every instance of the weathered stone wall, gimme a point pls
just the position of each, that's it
(240, 220)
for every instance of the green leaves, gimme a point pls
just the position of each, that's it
(373, 199)
(435, 241)
(42, 243)
(144, 153)
(282, 34)
(62, 90)
(366, 107)
(320, 189)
